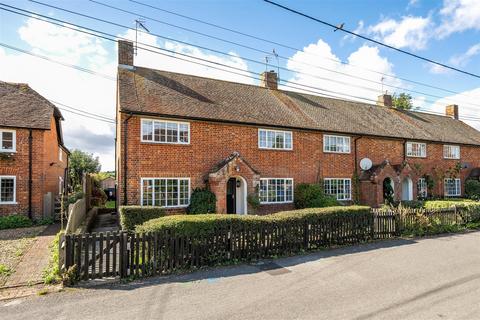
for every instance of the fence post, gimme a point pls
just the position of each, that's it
(122, 255)
(306, 235)
(62, 252)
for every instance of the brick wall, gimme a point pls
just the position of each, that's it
(306, 163)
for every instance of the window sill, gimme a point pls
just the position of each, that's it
(8, 203)
(269, 203)
(336, 152)
(421, 157)
(165, 143)
(274, 149)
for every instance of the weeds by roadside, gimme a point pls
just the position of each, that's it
(51, 274)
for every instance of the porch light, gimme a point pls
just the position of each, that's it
(237, 168)
(239, 183)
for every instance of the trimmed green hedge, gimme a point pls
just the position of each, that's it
(439, 204)
(207, 224)
(312, 196)
(15, 221)
(131, 216)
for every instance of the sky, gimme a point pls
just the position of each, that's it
(311, 57)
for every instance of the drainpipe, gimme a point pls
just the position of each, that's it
(125, 147)
(30, 156)
(404, 150)
(355, 156)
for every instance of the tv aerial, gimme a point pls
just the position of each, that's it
(139, 23)
(273, 55)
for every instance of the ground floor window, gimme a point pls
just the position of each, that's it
(7, 189)
(166, 192)
(452, 187)
(422, 188)
(341, 189)
(274, 190)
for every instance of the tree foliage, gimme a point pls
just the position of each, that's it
(80, 163)
(402, 101)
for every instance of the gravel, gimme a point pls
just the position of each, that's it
(13, 244)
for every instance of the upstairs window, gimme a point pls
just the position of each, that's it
(336, 144)
(276, 190)
(422, 188)
(7, 141)
(7, 190)
(416, 149)
(159, 131)
(60, 154)
(166, 192)
(451, 152)
(274, 139)
(341, 189)
(452, 187)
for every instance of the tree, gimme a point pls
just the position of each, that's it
(80, 163)
(403, 101)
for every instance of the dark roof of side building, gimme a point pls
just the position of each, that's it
(168, 94)
(23, 107)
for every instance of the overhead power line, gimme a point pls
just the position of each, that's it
(288, 47)
(253, 60)
(208, 63)
(372, 40)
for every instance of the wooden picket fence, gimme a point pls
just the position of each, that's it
(123, 254)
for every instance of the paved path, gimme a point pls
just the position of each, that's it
(35, 260)
(434, 278)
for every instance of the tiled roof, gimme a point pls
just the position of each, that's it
(164, 93)
(21, 106)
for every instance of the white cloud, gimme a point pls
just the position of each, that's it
(366, 58)
(408, 32)
(463, 59)
(458, 16)
(437, 69)
(162, 62)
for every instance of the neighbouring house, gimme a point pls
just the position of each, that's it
(178, 132)
(33, 158)
(108, 185)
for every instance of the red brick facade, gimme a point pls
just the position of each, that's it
(46, 169)
(210, 143)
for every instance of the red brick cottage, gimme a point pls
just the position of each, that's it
(177, 132)
(33, 159)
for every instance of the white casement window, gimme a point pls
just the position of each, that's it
(165, 192)
(341, 189)
(452, 187)
(416, 149)
(451, 152)
(159, 131)
(274, 139)
(8, 141)
(422, 189)
(60, 185)
(274, 190)
(336, 144)
(8, 186)
(60, 154)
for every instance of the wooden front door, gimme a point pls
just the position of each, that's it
(232, 196)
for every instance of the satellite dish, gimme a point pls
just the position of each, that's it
(365, 164)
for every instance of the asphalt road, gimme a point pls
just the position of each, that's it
(433, 278)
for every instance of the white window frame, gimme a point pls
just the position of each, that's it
(60, 185)
(422, 185)
(14, 189)
(60, 154)
(458, 187)
(347, 143)
(409, 149)
(278, 202)
(178, 123)
(14, 142)
(337, 195)
(275, 132)
(447, 151)
(178, 191)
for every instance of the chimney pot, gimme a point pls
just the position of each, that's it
(385, 100)
(125, 53)
(269, 79)
(452, 111)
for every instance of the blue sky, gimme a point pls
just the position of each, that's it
(445, 31)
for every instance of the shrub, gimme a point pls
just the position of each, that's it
(15, 221)
(312, 196)
(131, 216)
(51, 274)
(72, 198)
(208, 223)
(253, 201)
(472, 189)
(441, 204)
(202, 201)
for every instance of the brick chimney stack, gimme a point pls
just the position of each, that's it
(269, 79)
(385, 100)
(452, 111)
(125, 53)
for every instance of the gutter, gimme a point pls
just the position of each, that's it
(125, 167)
(161, 115)
(30, 182)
